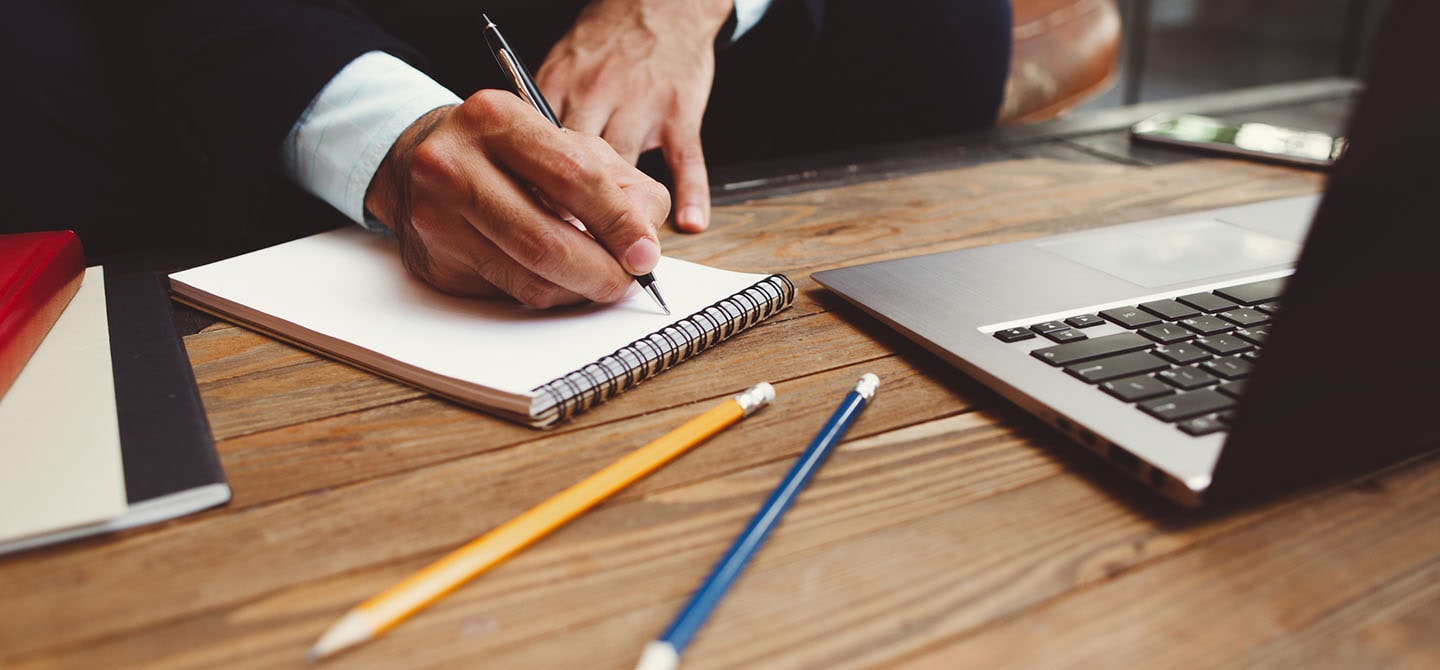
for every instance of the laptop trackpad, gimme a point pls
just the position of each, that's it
(1173, 252)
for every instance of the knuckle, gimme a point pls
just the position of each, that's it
(487, 103)
(626, 146)
(614, 288)
(687, 153)
(544, 252)
(431, 167)
(577, 163)
(658, 195)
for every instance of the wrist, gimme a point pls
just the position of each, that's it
(697, 19)
(387, 198)
(719, 16)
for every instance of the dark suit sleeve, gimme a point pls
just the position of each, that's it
(233, 76)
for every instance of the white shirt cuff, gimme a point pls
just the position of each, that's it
(747, 14)
(338, 142)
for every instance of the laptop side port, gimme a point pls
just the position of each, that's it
(1158, 480)
(1126, 460)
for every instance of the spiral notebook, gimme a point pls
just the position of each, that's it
(345, 294)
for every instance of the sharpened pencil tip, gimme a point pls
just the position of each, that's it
(350, 630)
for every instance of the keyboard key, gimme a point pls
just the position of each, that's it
(1085, 320)
(1186, 405)
(1114, 367)
(1133, 389)
(1253, 335)
(1207, 302)
(1246, 316)
(1014, 334)
(1207, 325)
(1065, 335)
(1166, 333)
(1130, 317)
(1202, 425)
(1269, 307)
(1072, 352)
(1187, 378)
(1255, 293)
(1233, 389)
(1183, 354)
(1230, 367)
(1224, 345)
(1170, 310)
(1048, 327)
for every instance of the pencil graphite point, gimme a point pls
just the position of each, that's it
(349, 631)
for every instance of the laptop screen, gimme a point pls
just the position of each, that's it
(1349, 381)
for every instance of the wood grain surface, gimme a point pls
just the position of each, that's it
(949, 530)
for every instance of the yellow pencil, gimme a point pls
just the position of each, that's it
(380, 613)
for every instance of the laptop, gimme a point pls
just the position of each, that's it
(1230, 354)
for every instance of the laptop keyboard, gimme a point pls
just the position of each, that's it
(1183, 361)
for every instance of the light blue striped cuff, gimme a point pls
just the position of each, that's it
(339, 141)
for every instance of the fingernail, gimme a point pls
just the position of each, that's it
(691, 217)
(642, 256)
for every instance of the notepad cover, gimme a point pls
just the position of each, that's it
(39, 274)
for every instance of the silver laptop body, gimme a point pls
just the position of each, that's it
(1322, 401)
(954, 302)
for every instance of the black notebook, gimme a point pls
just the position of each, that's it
(170, 466)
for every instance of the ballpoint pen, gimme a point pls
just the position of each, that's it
(525, 87)
(664, 653)
(380, 613)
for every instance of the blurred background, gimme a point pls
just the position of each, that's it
(1173, 48)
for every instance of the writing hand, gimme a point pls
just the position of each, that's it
(472, 192)
(638, 73)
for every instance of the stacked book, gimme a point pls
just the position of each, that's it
(101, 426)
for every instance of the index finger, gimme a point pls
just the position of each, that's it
(620, 206)
(686, 158)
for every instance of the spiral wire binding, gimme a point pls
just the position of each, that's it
(644, 358)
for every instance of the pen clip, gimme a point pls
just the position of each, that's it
(512, 68)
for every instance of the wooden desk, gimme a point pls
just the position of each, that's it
(950, 529)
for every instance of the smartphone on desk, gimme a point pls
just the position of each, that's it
(1260, 141)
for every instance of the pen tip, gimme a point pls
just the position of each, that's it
(648, 283)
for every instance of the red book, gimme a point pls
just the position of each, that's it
(39, 273)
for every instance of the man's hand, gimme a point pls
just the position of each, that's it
(472, 193)
(638, 73)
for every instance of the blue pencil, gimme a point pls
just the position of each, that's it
(664, 653)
